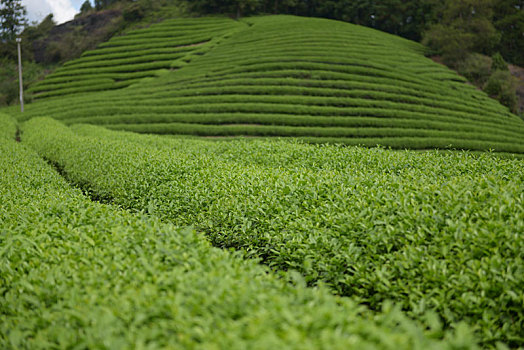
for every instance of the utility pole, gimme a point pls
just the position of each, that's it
(18, 41)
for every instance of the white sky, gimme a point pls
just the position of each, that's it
(62, 10)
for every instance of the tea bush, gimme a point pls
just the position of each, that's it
(436, 232)
(80, 274)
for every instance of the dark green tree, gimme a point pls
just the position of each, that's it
(100, 4)
(498, 63)
(279, 6)
(232, 7)
(509, 21)
(12, 18)
(86, 7)
(463, 27)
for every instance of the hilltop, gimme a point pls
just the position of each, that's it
(320, 80)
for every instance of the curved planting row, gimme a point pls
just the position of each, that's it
(273, 75)
(145, 51)
(80, 274)
(435, 233)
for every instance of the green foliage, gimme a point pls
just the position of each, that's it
(141, 52)
(509, 21)
(8, 83)
(100, 4)
(8, 127)
(476, 68)
(434, 232)
(498, 63)
(86, 7)
(12, 19)
(466, 26)
(454, 45)
(502, 86)
(319, 80)
(133, 13)
(405, 18)
(80, 274)
(235, 7)
(9, 88)
(32, 33)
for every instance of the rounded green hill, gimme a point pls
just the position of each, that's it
(316, 79)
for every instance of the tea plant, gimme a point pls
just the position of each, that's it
(80, 274)
(438, 232)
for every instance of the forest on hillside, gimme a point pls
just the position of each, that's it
(474, 37)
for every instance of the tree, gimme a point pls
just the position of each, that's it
(509, 21)
(243, 7)
(237, 7)
(100, 4)
(463, 27)
(86, 7)
(12, 18)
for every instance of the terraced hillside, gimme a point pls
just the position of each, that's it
(320, 80)
(125, 60)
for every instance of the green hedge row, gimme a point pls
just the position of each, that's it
(8, 127)
(151, 46)
(488, 106)
(106, 115)
(78, 78)
(64, 89)
(467, 96)
(162, 33)
(382, 136)
(361, 70)
(326, 53)
(226, 105)
(265, 88)
(434, 232)
(90, 56)
(246, 109)
(289, 120)
(54, 85)
(333, 96)
(124, 68)
(103, 62)
(183, 23)
(151, 43)
(79, 274)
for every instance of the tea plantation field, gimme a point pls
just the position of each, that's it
(316, 79)
(268, 228)
(75, 273)
(437, 235)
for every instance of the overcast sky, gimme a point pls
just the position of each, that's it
(62, 10)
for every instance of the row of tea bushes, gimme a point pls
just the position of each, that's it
(433, 232)
(80, 274)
